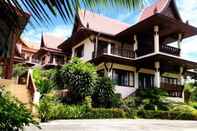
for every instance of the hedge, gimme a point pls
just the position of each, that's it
(103, 113)
(171, 115)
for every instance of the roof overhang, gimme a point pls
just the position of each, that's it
(168, 26)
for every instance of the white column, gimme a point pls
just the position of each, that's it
(30, 58)
(96, 46)
(181, 76)
(157, 74)
(135, 44)
(156, 39)
(109, 48)
(179, 42)
(136, 75)
(73, 52)
(54, 60)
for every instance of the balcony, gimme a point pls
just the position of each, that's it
(127, 53)
(173, 90)
(170, 50)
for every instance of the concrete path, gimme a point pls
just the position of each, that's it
(117, 125)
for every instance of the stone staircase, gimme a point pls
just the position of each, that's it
(21, 92)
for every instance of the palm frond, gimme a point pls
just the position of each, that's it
(41, 9)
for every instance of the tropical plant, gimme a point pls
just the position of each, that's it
(189, 89)
(79, 78)
(42, 9)
(104, 94)
(19, 69)
(44, 79)
(151, 99)
(13, 114)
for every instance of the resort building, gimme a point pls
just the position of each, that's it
(26, 51)
(137, 56)
(49, 55)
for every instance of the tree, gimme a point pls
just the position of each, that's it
(79, 78)
(19, 69)
(13, 114)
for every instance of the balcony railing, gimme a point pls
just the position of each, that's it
(128, 53)
(172, 89)
(170, 50)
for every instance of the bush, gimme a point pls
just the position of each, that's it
(79, 78)
(194, 104)
(44, 80)
(172, 115)
(104, 94)
(50, 109)
(19, 69)
(13, 114)
(183, 108)
(151, 99)
(103, 113)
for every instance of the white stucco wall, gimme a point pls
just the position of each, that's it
(124, 91)
(88, 49)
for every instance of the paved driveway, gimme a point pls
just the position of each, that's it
(117, 125)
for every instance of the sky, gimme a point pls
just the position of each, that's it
(187, 9)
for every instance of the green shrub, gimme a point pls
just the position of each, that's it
(104, 95)
(151, 99)
(44, 80)
(183, 108)
(79, 78)
(13, 114)
(103, 113)
(172, 115)
(19, 69)
(50, 109)
(194, 104)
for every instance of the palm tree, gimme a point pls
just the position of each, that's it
(67, 8)
(40, 11)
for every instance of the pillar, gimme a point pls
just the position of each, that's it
(96, 47)
(136, 75)
(157, 74)
(181, 76)
(109, 48)
(135, 45)
(179, 41)
(156, 39)
(54, 60)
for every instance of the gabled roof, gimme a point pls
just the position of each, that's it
(50, 41)
(165, 7)
(99, 23)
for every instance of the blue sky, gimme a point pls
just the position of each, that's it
(187, 9)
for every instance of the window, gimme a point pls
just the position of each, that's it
(146, 81)
(79, 51)
(123, 78)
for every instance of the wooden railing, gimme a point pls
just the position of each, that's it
(172, 89)
(116, 51)
(170, 50)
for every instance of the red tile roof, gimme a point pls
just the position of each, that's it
(51, 41)
(157, 7)
(102, 24)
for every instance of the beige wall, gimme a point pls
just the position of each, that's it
(88, 49)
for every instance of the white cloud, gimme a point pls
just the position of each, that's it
(34, 34)
(188, 11)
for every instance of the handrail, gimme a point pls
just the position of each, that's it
(170, 50)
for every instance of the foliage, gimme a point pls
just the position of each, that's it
(66, 9)
(19, 69)
(44, 79)
(151, 99)
(13, 114)
(50, 109)
(182, 108)
(79, 78)
(103, 92)
(194, 104)
(103, 113)
(172, 115)
(189, 89)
